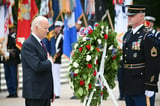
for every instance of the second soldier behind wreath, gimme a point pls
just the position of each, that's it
(140, 61)
(149, 23)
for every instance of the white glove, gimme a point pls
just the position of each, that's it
(149, 93)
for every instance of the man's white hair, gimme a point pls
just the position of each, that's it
(37, 21)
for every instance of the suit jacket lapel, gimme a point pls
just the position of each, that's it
(40, 48)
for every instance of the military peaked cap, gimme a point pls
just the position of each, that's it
(135, 9)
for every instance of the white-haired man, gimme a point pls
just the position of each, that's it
(37, 66)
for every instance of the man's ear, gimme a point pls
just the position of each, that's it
(36, 27)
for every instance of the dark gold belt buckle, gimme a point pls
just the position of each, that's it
(126, 65)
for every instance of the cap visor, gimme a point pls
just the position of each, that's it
(131, 14)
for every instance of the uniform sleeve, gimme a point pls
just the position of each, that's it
(14, 51)
(152, 60)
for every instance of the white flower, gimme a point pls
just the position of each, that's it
(75, 46)
(75, 64)
(88, 58)
(110, 48)
(76, 71)
(84, 38)
(106, 29)
(99, 41)
(102, 27)
(92, 48)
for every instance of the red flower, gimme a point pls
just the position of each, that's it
(81, 82)
(75, 74)
(95, 73)
(80, 49)
(89, 65)
(101, 93)
(98, 49)
(89, 86)
(105, 36)
(96, 61)
(90, 31)
(114, 57)
(88, 47)
(96, 25)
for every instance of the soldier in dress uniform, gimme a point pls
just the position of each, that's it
(11, 64)
(140, 61)
(149, 24)
(58, 37)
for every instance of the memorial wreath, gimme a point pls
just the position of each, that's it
(86, 59)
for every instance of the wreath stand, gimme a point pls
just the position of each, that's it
(101, 81)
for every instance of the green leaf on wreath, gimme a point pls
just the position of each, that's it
(114, 65)
(84, 76)
(80, 92)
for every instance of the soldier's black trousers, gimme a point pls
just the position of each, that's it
(139, 100)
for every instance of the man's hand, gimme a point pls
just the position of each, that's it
(149, 93)
(49, 57)
(55, 56)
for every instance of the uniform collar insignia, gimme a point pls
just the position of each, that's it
(138, 32)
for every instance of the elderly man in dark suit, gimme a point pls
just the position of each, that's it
(37, 65)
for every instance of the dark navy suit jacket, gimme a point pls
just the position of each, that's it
(37, 75)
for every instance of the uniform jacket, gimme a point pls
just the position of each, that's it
(14, 52)
(59, 44)
(140, 48)
(37, 75)
(156, 35)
